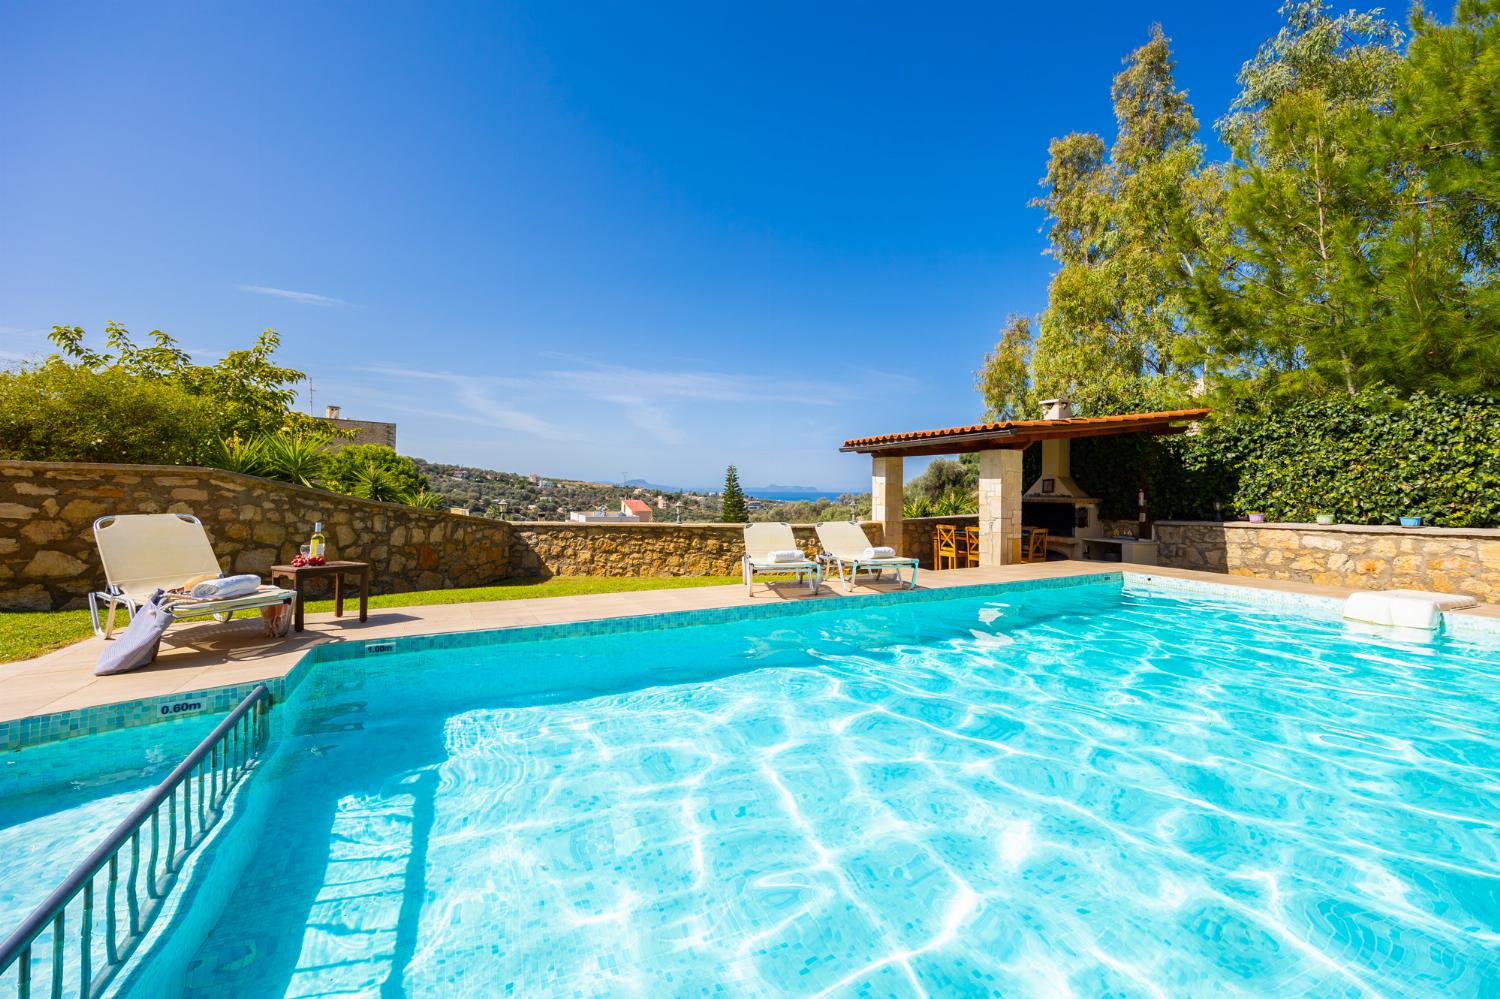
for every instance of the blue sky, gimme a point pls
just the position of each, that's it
(591, 241)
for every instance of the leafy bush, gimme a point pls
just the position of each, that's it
(1370, 460)
(1366, 459)
(944, 475)
(373, 471)
(250, 394)
(56, 412)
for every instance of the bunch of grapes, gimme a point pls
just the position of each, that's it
(302, 560)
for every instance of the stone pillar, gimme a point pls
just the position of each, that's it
(999, 506)
(887, 480)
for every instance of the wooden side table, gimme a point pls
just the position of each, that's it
(296, 575)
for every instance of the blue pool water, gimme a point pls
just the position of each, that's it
(60, 799)
(1078, 791)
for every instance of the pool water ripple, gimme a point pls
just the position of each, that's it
(1081, 792)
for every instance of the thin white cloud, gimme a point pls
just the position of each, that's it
(18, 336)
(606, 381)
(301, 297)
(647, 416)
(479, 405)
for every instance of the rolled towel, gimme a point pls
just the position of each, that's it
(786, 555)
(225, 588)
(880, 551)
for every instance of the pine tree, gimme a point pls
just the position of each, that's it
(734, 498)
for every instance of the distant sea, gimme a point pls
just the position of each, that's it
(788, 497)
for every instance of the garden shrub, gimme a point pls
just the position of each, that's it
(58, 412)
(1365, 459)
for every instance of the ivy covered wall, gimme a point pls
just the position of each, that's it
(1365, 459)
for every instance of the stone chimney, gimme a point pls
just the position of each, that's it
(332, 413)
(1057, 409)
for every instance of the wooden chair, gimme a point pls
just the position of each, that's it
(944, 548)
(1036, 545)
(968, 549)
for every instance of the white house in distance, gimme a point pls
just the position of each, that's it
(639, 509)
(602, 517)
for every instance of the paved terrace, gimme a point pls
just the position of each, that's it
(200, 656)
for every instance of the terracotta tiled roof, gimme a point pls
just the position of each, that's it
(637, 506)
(1013, 432)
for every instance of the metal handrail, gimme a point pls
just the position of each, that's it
(218, 762)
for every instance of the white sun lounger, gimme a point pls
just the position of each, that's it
(763, 539)
(146, 552)
(844, 545)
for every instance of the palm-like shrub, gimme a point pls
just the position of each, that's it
(298, 458)
(236, 454)
(917, 506)
(284, 456)
(424, 500)
(372, 482)
(955, 502)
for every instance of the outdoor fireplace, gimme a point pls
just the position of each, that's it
(1054, 501)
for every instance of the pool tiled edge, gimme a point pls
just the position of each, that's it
(34, 730)
(20, 733)
(333, 651)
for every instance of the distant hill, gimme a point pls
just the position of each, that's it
(514, 496)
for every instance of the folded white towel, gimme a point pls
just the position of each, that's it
(880, 551)
(786, 555)
(225, 588)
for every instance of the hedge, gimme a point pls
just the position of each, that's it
(1366, 459)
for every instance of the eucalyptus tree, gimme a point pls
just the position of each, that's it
(1004, 377)
(1122, 226)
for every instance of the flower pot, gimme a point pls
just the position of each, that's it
(1257, 518)
(1325, 519)
(1411, 521)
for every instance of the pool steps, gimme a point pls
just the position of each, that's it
(1416, 609)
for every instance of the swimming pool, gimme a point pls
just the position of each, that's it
(59, 799)
(1103, 788)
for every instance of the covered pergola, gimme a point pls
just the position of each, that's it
(999, 446)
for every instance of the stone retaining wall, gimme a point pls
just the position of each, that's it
(1446, 560)
(572, 549)
(48, 559)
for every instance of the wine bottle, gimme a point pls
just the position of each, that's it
(318, 545)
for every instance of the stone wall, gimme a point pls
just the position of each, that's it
(47, 510)
(1447, 560)
(552, 549)
(48, 559)
(917, 534)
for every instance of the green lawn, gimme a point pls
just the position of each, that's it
(25, 634)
